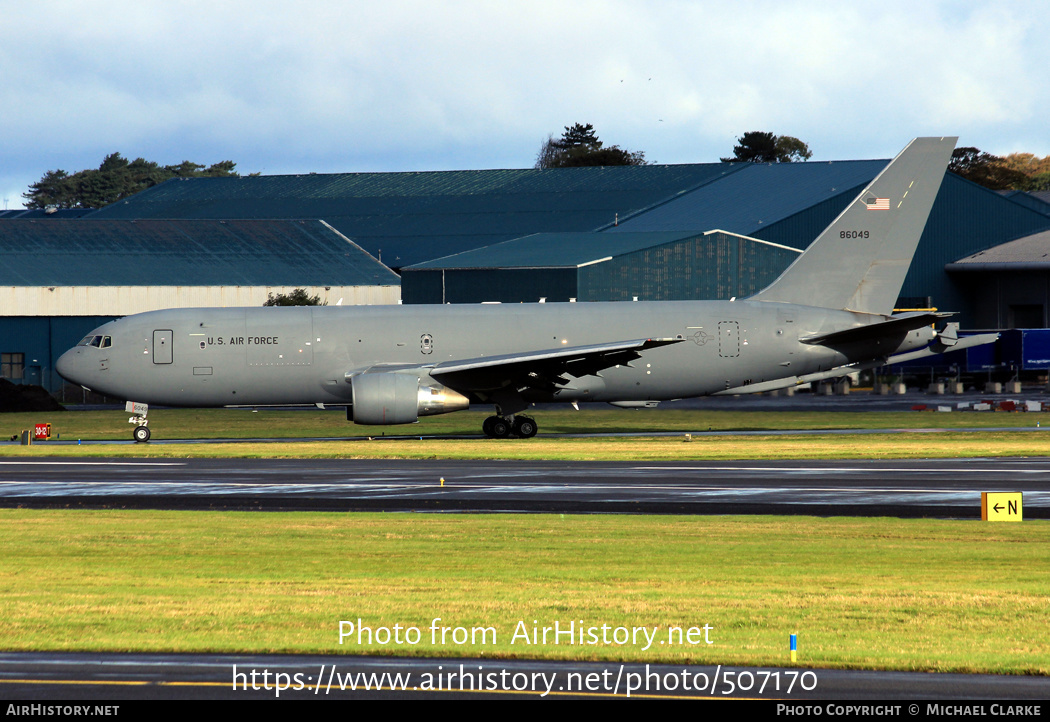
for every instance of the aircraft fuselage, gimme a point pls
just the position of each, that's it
(303, 355)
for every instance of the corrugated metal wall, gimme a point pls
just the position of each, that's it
(422, 286)
(998, 297)
(480, 285)
(714, 266)
(801, 229)
(42, 341)
(706, 266)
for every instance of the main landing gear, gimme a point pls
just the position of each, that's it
(502, 427)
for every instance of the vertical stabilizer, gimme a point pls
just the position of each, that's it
(859, 262)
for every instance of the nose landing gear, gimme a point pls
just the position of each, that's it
(141, 432)
(502, 427)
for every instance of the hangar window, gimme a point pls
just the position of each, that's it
(12, 366)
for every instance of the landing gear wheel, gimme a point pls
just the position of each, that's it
(141, 433)
(500, 428)
(486, 426)
(525, 427)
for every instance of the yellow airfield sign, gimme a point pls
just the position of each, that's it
(1001, 506)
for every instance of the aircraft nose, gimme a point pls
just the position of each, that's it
(70, 366)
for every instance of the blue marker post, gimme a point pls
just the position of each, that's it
(794, 648)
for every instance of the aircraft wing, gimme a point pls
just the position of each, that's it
(540, 369)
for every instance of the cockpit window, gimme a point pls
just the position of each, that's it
(97, 341)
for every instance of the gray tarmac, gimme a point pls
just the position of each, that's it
(49, 677)
(902, 488)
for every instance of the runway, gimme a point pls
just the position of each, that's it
(53, 676)
(909, 488)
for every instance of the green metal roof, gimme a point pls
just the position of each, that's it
(408, 218)
(758, 196)
(183, 253)
(553, 250)
(564, 250)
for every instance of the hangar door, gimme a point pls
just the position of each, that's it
(162, 347)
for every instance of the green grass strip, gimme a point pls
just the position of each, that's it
(959, 596)
(928, 435)
(918, 445)
(275, 423)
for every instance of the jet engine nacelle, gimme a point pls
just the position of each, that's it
(393, 398)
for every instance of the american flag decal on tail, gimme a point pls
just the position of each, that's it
(877, 204)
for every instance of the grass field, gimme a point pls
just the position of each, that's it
(860, 593)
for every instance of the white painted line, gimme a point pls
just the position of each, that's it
(826, 469)
(93, 463)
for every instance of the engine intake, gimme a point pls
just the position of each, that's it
(392, 398)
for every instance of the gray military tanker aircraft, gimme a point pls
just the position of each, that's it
(829, 314)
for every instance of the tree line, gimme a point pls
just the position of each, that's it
(1016, 171)
(115, 179)
(579, 146)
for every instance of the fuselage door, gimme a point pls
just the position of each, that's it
(728, 339)
(162, 347)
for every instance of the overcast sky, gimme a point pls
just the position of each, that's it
(338, 86)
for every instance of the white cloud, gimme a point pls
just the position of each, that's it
(326, 86)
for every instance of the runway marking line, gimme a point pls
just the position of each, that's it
(405, 492)
(566, 488)
(120, 682)
(128, 683)
(92, 463)
(823, 469)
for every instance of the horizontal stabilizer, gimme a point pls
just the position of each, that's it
(899, 324)
(937, 348)
(839, 372)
